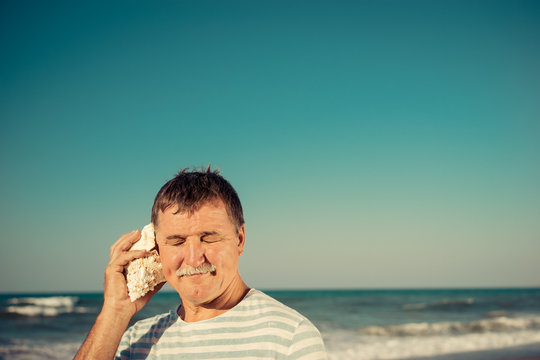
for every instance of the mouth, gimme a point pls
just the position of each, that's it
(194, 276)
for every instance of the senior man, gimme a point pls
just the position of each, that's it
(200, 234)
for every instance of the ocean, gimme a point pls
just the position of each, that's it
(355, 324)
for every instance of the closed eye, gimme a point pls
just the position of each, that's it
(210, 239)
(175, 240)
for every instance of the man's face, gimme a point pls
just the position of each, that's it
(205, 237)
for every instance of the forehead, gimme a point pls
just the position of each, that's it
(211, 215)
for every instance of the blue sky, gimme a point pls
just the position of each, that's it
(373, 144)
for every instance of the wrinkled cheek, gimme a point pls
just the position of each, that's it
(213, 257)
(170, 262)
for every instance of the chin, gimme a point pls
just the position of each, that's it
(195, 293)
(197, 297)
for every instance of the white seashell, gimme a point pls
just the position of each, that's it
(143, 274)
(147, 241)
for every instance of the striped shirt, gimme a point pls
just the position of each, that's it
(259, 327)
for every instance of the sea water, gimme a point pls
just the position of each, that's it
(355, 324)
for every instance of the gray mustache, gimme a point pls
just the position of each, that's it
(201, 269)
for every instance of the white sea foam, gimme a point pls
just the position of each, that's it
(497, 324)
(44, 306)
(29, 350)
(349, 345)
(30, 310)
(50, 301)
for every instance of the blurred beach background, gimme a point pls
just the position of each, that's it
(355, 324)
(387, 155)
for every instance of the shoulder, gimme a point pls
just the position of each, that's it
(304, 339)
(258, 304)
(151, 326)
(256, 300)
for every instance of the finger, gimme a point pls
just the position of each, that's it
(125, 257)
(119, 264)
(126, 241)
(121, 239)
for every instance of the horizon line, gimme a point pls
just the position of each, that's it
(531, 287)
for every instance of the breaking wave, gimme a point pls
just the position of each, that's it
(498, 345)
(497, 324)
(29, 350)
(44, 306)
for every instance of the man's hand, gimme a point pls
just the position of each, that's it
(117, 311)
(116, 294)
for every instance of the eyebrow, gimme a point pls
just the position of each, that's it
(184, 237)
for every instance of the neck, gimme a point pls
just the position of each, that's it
(192, 312)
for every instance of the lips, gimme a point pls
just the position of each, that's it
(193, 276)
(196, 276)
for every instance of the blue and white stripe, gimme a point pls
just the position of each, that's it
(259, 327)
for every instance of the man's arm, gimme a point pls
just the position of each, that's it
(117, 310)
(104, 337)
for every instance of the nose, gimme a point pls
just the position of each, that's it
(194, 255)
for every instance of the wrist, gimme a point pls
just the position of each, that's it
(105, 335)
(117, 313)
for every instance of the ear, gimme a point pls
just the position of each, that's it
(241, 239)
